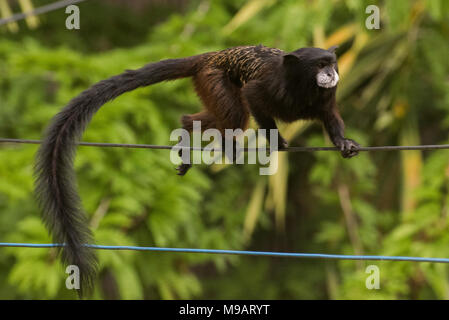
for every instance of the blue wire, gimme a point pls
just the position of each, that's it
(239, 252)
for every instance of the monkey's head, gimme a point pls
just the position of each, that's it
(318, 64)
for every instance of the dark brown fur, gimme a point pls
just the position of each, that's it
(232, 84)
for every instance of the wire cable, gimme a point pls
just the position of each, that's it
(238, 252)
(44, 9)
(288, 149)
(60, 4)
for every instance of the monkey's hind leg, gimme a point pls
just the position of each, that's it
(222, 98)
(207, 121)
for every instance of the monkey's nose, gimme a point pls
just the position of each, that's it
(329, 75)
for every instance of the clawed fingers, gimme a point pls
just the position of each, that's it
(282, 143)
(183, 168)
(349, 153)
(349, 148)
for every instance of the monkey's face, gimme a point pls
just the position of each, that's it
(314, 64)
(327, 75)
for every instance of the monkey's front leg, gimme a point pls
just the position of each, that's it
(335, 128)
(266, 122)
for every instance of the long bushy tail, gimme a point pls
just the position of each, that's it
(55, 178)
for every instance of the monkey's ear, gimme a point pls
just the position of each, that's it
(290, 59)
(332, 49)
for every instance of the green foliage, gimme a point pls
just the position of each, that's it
(396, 89)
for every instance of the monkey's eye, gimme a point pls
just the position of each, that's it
(321, 65)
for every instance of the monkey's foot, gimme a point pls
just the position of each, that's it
(183, 168)
(348, 147)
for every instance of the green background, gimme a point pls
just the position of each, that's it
(394, 90)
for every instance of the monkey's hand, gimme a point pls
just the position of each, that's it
(348, 147)
(282, 143)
